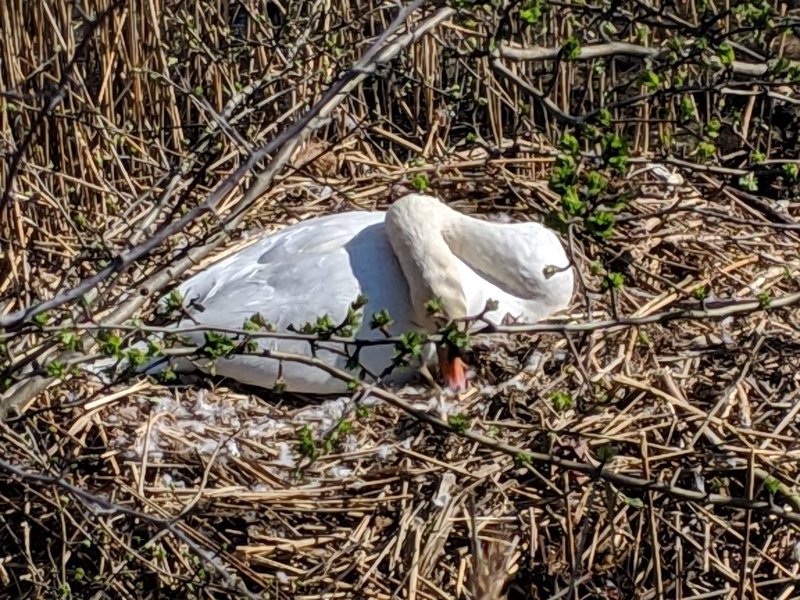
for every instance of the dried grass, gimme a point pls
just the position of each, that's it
(138, 490)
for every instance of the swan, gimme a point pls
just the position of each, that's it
(397, 260)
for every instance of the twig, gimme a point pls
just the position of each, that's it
(593, 51)
(559, 114)
(100, 505)
(719, 309)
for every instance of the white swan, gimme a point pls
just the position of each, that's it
(398, 260)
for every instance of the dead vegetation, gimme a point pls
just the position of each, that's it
(121, 118)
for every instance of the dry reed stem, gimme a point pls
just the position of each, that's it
(143, 490)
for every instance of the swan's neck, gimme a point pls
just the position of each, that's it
(414, 226)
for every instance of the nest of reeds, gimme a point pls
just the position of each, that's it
(643, 444)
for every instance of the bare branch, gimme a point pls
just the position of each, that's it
(593, 51)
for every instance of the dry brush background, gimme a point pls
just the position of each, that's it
(128, 131)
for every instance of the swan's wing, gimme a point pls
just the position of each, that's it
(547, 251)
(478, 291)
(291, 277)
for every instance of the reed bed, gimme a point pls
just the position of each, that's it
(644, 444)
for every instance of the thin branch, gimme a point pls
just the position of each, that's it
(713, 311)
(498, 66)
(716, 310)
(100, 505)
(286, 142)
(622, 49)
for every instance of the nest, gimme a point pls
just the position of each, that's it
(206, 488)
(643, 444)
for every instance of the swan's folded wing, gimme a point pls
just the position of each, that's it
(291, 278)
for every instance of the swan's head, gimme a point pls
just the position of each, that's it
(434, 243)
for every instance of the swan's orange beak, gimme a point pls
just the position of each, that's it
(454, 370)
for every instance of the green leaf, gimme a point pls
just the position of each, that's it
(564, 173)
(41, 318)
(454, 337)
(712, 128)
(409, 345)
(569, 143)
(571, 50)
(459, 423)
(749, 182)
(68, 340)
(56, 369)
(790, 170)
(764, 299)
(596, 184)
(381, 319)
(706, 150)
(650, 79)
(634, 502)
(772, 485)
(604, 116)
(615, 151)
(359, 303)
(342, 429)
(572, 203)
(523, 458)
(217, 345)
(601, 224)
(434, 307)
(700, 292)
(352, 320)
(279, 387)
(110, 343)
(755, 13)
(725, 54)
(174, 301)
(306, 444)
(256, 322)
(531, 12)
(324, 327)
(136, 357)
(420, 182)
(613, 281)
(686, 109)
(561, 401)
